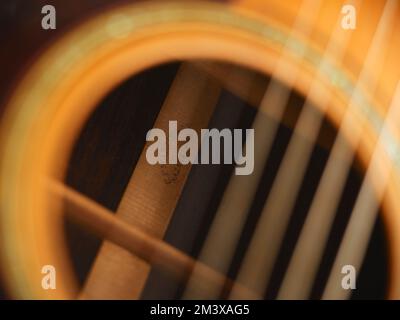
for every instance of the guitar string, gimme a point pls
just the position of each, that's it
(309, 249)
(219, 246)
(359, 229)
(263, 249)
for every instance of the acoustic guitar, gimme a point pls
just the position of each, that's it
(315, 213)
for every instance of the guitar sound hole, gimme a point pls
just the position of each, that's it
(112, 140)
